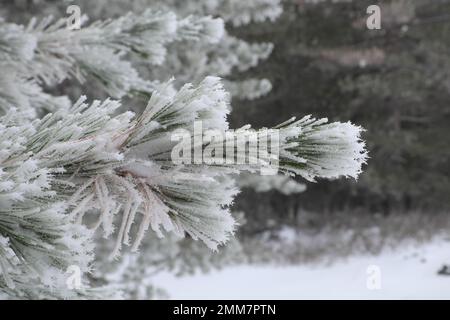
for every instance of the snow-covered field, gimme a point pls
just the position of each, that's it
(408, 273)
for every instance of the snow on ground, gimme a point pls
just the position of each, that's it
(408, 273)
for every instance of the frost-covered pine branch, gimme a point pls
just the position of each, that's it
(37, 240)
(191, 61)
(117, 168)
(46, 53)
(83, 167)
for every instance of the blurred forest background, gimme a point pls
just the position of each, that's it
(395, 82)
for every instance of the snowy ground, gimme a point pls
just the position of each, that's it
(408, 273)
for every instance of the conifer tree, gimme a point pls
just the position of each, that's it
(71, 170)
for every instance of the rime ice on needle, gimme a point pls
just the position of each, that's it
(88, 166)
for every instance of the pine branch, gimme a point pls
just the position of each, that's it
(48, 53)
